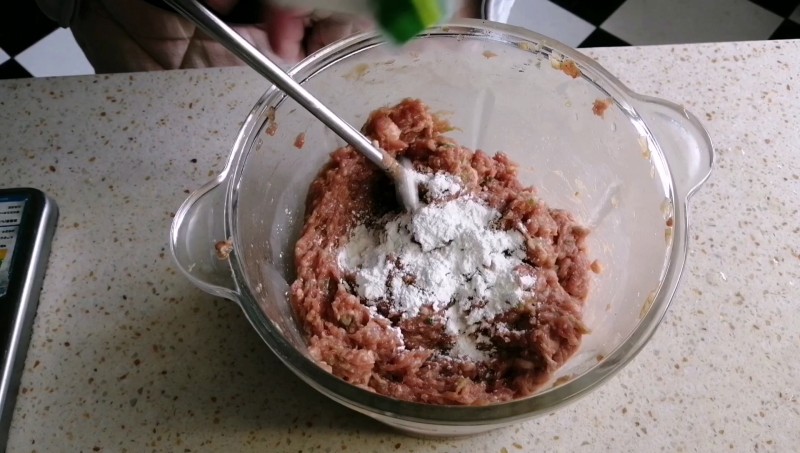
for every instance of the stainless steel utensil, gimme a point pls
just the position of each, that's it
(403, 177)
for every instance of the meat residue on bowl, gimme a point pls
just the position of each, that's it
(569, 68)
(300, 140)
(272, 124)
(474, 298)
(599, 107)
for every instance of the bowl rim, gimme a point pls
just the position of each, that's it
(452, 415)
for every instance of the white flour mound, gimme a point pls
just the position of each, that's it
(446, 255)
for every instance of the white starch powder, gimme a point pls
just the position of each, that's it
(446, 255)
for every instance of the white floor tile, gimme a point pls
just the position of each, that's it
(642, 22)
(550, 20)
(3, 57)
(57, 54)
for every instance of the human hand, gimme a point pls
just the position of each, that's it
(295, 33)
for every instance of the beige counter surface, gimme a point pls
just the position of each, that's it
(126, 355)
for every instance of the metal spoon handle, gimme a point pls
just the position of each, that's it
(218, 30)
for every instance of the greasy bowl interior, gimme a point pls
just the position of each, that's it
(503, 90)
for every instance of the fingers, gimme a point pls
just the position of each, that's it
(332, 29)
(295, 33)
(470, 8)
(221, 6)
(286, 31)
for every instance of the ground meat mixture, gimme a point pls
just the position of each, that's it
(370, 342)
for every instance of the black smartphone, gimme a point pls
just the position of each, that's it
(27, 223)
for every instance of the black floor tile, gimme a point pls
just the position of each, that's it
(787, 30)
(602, 38)
(592, 11)
(12, 70)
(22, 24)
(782, 8)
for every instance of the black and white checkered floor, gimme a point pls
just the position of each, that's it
(33, 46)
(605, 23)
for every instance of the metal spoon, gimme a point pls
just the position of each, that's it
(403, 178)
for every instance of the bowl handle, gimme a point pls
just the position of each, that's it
(685, 142)
(196, 230)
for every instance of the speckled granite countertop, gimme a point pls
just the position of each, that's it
(127, 356)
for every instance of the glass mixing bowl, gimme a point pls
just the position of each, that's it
(626, 172)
